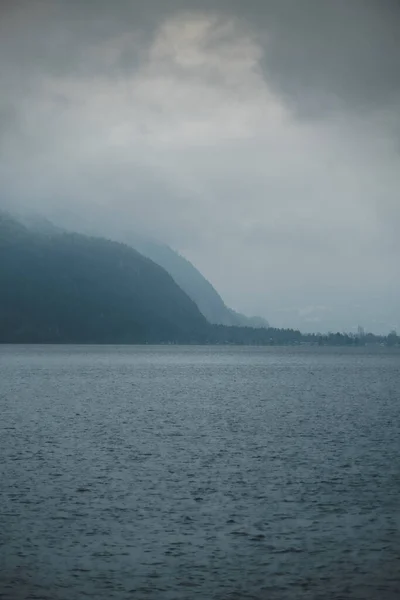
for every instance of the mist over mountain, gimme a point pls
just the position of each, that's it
(258, 139)
(58, 287)
(197, 287)
(65, 287)
(185, 274)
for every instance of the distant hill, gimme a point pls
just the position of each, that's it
(189, 279)
(62, 287)
(194, 284)
(58, 287)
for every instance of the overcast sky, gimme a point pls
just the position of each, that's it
(261, 139)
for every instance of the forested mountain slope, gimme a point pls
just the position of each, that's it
(74, 288)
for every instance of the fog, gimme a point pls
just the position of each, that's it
(260, 139)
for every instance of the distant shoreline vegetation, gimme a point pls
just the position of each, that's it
(292, 337)
(215, 335)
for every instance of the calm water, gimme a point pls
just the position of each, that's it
(199, 473)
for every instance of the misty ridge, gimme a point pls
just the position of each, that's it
(66, 287)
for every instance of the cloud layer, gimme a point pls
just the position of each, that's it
(260, 139)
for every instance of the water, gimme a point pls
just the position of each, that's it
(199, 473)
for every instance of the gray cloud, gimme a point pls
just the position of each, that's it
(334, 55)
(320, 54)
(258, 138)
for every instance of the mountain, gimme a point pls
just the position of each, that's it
(71, 288)
(196, 286)
(189, 279)
(65, 287)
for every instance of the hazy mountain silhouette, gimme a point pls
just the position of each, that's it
(186, 275)
(196, 286)
(74, 288)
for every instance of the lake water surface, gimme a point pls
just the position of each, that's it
(170, 473)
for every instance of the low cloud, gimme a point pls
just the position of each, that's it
(261, 141)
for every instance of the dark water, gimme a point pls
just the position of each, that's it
(180, 473)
